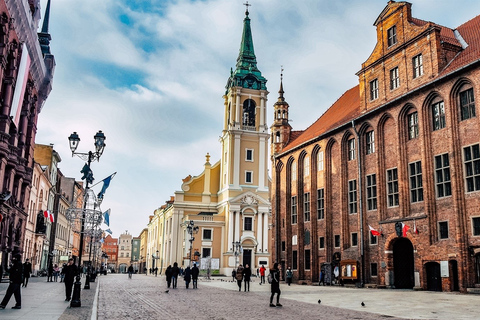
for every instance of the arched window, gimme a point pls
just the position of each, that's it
(277, 137)
(249, 113)
(467, 102)
(438, 114)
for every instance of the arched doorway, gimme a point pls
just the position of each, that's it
(403, 264)
(434, 281)
(454, 275)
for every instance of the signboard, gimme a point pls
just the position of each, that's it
(63, 258)
(444, 269)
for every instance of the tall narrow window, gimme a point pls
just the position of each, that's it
(371, 192)
(472, 167)
(352, 196)
(247, 226)
(307, 259)
(248, 177)
(476, 226)
(394, 79)
(294, 210)
(320, 204)
(438, 115)
(337, 241)
(442, 176)
(370, 142)
(306, 166)
(354, 239)
(392, 187)
(321, 242)
(351, 149)
(412, 125)
(294, 171)
(374, 89)
(320, 161)
(249, 113)
(294, 259)
(443, 230)
(373, 269)
(416, 184)
(306, 206)
(417, 63)
(373, 239)
(467, 104)
(392, 36)
(249, 155)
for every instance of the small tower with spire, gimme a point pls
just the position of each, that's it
(44, 37)
(280, 128)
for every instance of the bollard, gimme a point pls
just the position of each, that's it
(77, 286)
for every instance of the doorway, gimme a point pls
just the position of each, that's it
(403, 264)
(434, 281)
(454, 276)
(247, 257)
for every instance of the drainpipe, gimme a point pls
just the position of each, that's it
(360, 201)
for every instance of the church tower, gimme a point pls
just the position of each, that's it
(244, 182)
(280, 128)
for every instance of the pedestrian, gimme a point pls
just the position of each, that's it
(195, 273)
(168, 275)
(187, 276)
(27, 270)
(16, 273)
(62, 275)
(239, 277)
(262, 274)
(175, 272)
(50, 272)
(130, 272)
(321, 279)
(275, 285)
(289, 275)
(156, 271)
(234, 275)
(70, 271)
(247, 273)
(56, 272)
(258, 273)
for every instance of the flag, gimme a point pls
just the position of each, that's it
(102, 240)
(405, 229)
(46, 213)
(109, 231)
(374, 232)
(52, 218)
(106, 183)
(106, 217)
(415, 227)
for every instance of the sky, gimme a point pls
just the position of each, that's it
(151, 75)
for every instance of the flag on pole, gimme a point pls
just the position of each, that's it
(415, 227)
(405, 229)
(52, 218)
(106, 183)
(373, 231)
(46, 213)
(109, 231)
(106, 217)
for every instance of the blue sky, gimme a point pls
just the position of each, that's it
(151, 75)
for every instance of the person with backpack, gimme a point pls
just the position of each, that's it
(239, 277)
(274, 277)
(289, 275)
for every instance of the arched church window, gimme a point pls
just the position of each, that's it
(277, 137)
(249, 113)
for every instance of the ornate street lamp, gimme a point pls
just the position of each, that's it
(236, 245)
(191, 230)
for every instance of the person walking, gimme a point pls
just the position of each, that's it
(275, 285)
(247, 273)
(70, 271)
(289, 275)
(234, 275)
(175, 272)
(130, 272)
(16, 273)
(56, 272)
(262, 274)
(62, 275)
(50, 272)
(27, 270)
(239, 277)
(187, 276)
(168, 275)
(195, 273)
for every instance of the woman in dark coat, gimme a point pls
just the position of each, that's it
(275, 285)
(168, 275)
(187, 276)
(175, 272)
(247, 273)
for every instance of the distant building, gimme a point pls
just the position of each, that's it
(143, 249)
(110, 247)
(135, 254)
(124, 252)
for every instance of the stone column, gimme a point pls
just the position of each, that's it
(259, 232)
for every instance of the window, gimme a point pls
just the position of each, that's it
(467, 104)
(306, 166)
(472, 167)
(321, 242)
(249, 113)
(247, 226)
(371, 192)
(392, 36)
(370, 142)
(122, 248)
(373, 239)
(294, 171)
(320, 204)
(374, 89)
(416, 184)
(443, 230)
(412, 125)
(294, 259)
(206, 252)
(438, 115)
(307, 259)
(442, 176)
(294, 209)
(128, 254)
(283, 246)
(320, 161)
(351, 149)
(354, 239)
(306, 206)
(394, 79)
(207, 234)
(392, 187)
(417, 63)
(373, 269)
(249, 155)
(121, 255)
(248, 177)
(476, 226)
(337, 241)
(352, 196)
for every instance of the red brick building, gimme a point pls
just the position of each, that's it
(110, 247)
(399, 150)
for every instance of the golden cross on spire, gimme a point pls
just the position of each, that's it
(246, 4)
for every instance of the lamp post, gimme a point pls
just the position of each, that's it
(191, 230)
(236, 245)
(99, 143)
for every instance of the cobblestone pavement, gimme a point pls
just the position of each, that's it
(145, 297)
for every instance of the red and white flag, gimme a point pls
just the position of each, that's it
(415, 227)
(373, 231)
(405, 229)
(46, 213)
(51, 217)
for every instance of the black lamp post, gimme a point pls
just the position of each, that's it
(99, 143)
(236, 245)
(191, 229)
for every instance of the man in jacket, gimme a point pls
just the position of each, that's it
(195, 273)
(70, 271)
(16, 273)
(275, 285)
(27, 270)
(175, 272)
(247, 273)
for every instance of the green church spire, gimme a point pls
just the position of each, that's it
(246, 73)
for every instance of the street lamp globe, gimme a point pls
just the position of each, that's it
(100, 142)
(73, 140)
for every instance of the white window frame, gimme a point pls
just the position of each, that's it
(246, 176)
(374, 89)
(246, 155)
(417, 64)
(209, 248)
(211, 234)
